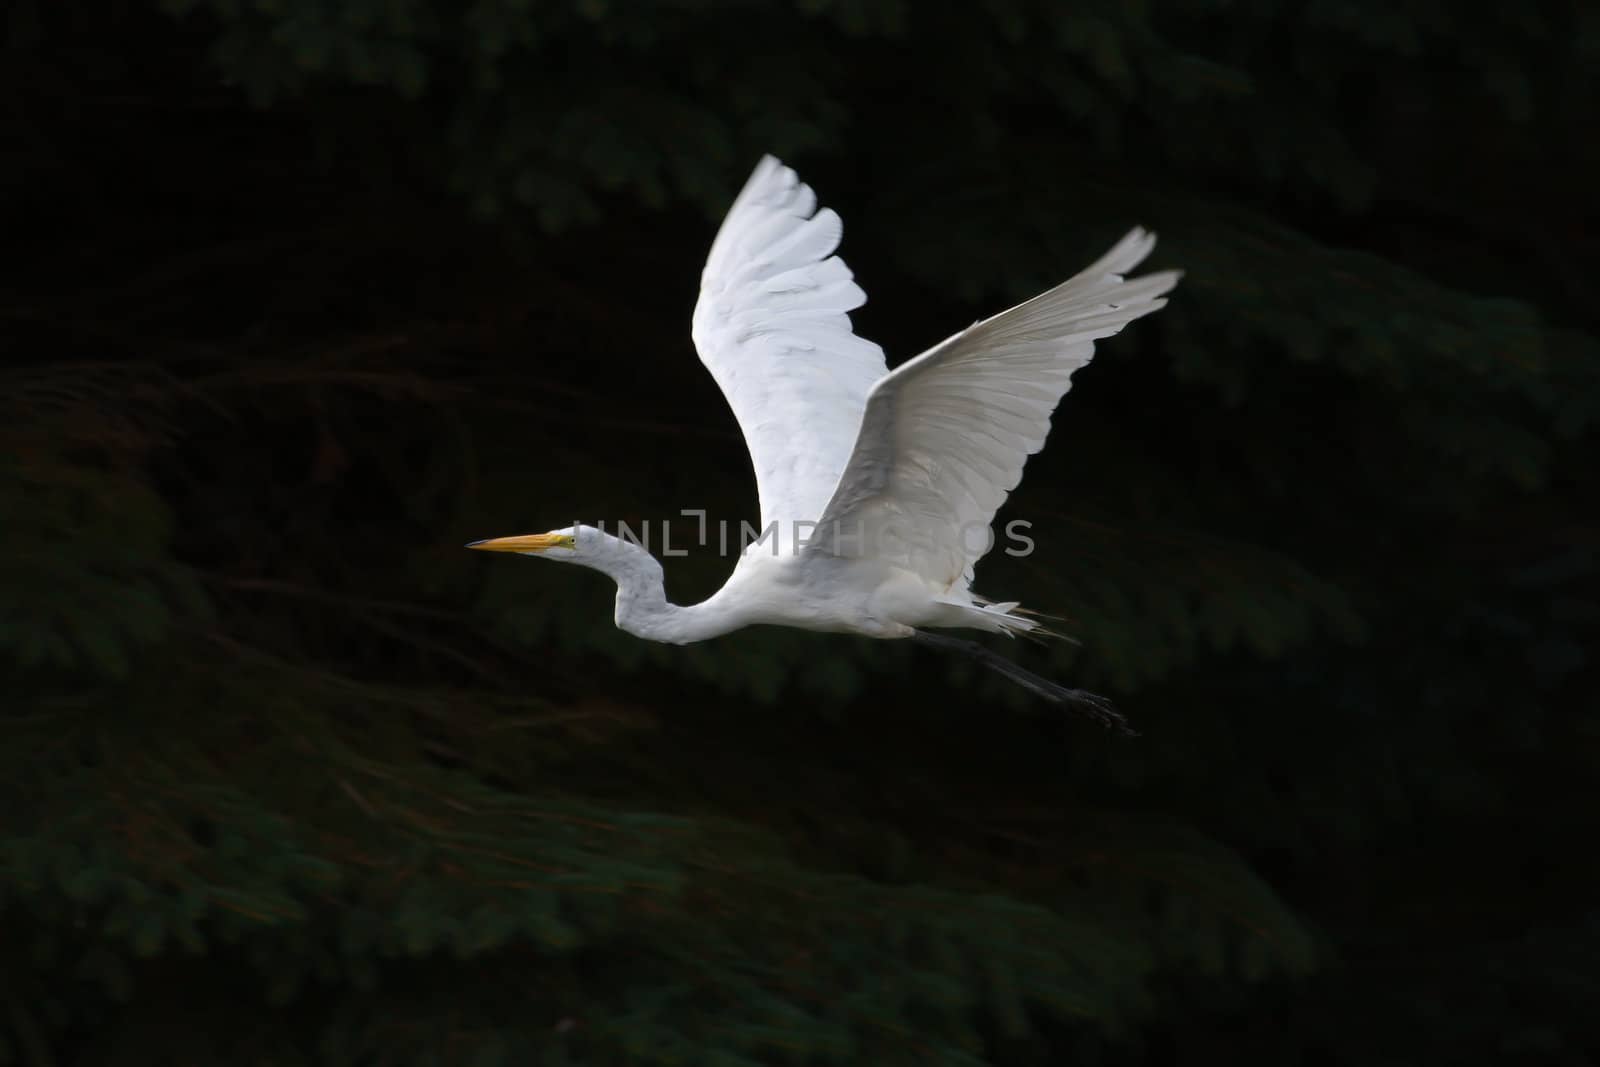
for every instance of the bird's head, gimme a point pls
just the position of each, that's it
(624, 561)
(586, 546)
(567, 545)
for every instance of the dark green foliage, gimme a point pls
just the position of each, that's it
(303, 294)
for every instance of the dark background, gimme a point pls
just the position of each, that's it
(300, 295)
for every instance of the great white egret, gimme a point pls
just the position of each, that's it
(871, 482)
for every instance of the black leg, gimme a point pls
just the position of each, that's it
(1094, 706)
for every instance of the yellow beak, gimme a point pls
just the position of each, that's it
(523, 543)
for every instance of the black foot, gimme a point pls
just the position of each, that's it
(1082, 701)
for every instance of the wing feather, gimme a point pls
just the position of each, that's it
(772, 325)
(944, 438)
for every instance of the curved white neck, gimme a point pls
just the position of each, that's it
(642, 607)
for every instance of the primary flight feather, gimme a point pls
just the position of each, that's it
(877, 488)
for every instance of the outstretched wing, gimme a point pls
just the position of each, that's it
(944, 438)
(772, 326)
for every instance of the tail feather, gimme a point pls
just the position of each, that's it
(1037, 614)
(1012, 620)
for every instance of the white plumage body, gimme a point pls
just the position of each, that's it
(870, 597)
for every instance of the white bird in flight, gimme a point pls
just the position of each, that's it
(877, 487)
